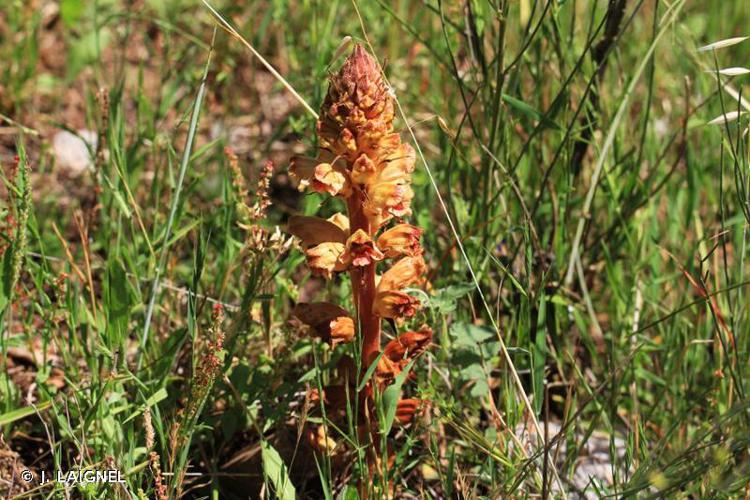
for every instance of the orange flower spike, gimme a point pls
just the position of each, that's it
(401, 239)
(356, 127)
(364, 161)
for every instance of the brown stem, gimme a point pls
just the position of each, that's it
(363, 285)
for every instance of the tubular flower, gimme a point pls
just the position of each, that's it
(323, 176)
(401, 350)
(390, 301)
(324, 241)
(361, 250)
(328, 321)
(401, 239)
(321, 440)
(362, 160)
(323, 259)
(342, 330)
(405, 272)
(408, 345)
(395, 305)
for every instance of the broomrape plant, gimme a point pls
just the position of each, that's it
(363, 161)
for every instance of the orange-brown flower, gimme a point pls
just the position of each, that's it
(342, 329)
(388, 189)
(320, 440)
(322, 176)
(399, 351)
(406, 409)
(361, 250)
(386, 371)
(327, 320)
(403, 273)
(401, 239)
(324, 241)
(314, 230)
(395, 305)
(388, 199)
(390, 301)
(324, 259)
(408, 345)
(364, 169)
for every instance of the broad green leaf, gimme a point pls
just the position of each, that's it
(21, 413)
(275, 469)
(469, 336)
(119, 302)
(391, 397)
(369, 372)
(476, 374)
(445, 300)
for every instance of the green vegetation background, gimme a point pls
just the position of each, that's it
(605, 223)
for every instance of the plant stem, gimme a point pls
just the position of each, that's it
(363, 286)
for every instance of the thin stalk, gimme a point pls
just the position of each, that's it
(363, 286)
(610, 139)
(175, 202)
